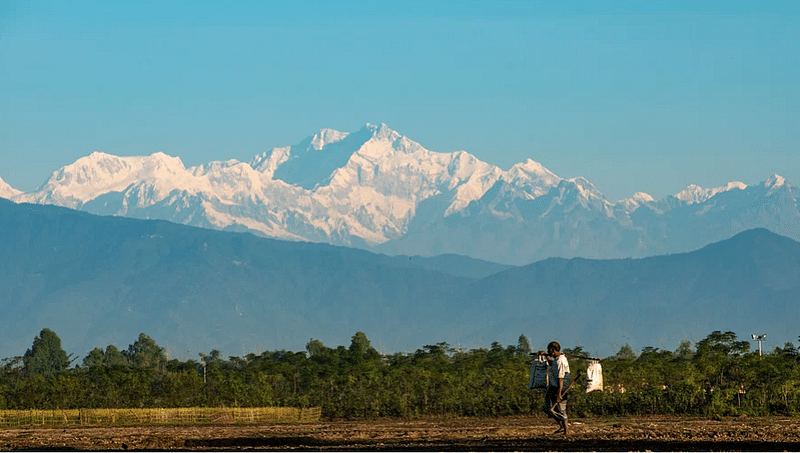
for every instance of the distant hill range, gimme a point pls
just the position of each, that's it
(99, 280)
(378, 190)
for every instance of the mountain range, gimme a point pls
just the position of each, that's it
(100, 280)
(378, 190)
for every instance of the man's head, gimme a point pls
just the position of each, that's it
(553, 348)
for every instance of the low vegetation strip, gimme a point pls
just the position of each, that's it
(719, 377)
(148, 416)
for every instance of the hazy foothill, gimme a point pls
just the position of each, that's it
(103, 280)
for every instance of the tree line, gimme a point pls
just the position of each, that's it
(717, 376)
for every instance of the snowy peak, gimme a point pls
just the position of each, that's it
(583, 188)
(269, 161)
(376, 186)
(314, 161)
(101, 173)
(532, 172)
(381, 132)
(325, 137)
(775, 183)
(641, 198)
(523, 181)
(381, 143)
(101, 169)
(578, 193)
(693, 193)
(6, 191)
(733, 185)
(629, 205)
(530, 166)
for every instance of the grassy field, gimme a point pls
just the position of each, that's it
(184, 415)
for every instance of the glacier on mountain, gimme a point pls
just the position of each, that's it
(379, 190)
(695, 194)
(6, 191)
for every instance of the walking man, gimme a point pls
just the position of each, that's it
(555, 400)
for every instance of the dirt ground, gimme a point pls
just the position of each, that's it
(532, 433)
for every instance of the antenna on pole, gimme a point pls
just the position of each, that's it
(759, 339)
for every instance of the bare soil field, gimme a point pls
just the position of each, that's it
(531, 433)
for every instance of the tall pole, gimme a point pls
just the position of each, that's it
(759, 339)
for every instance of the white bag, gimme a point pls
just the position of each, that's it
(539, 374)
(594, 377)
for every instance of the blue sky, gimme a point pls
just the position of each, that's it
(633, 97)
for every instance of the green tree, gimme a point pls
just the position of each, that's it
(115, 357)
(46, 357)
(626, 353)
(94, 358)
(721, 343)
(361, 350)
(145, 353)
(108, 358)
(315, 348)
(684, 350)
(523, 347)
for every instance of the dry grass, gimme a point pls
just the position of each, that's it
(187, 415)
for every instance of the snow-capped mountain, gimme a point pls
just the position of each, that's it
(358, 189)
(695, 194)
(6, 191)
(377, 189)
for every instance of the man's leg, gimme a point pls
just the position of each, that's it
(549, 401)
(561, 416)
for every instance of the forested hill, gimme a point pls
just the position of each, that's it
(103, 280)
(99, 280)
(748, 283)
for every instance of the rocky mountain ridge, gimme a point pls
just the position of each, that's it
(378, 190)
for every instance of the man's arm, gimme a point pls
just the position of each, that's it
(560, 389)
